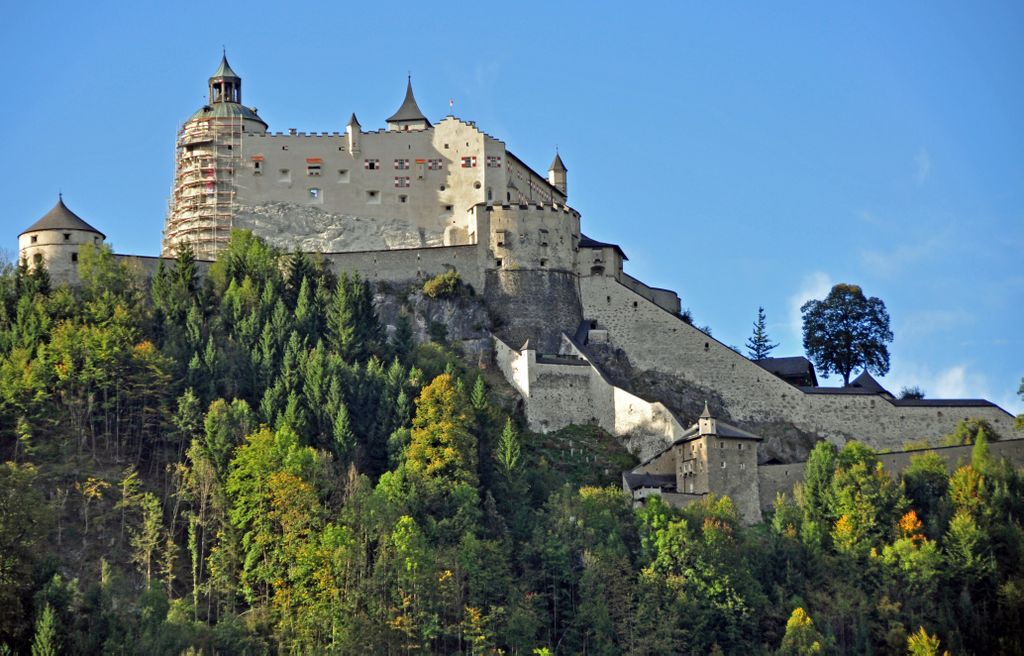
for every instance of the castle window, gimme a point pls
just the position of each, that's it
(739, 447)
(634, 304)
(371, 164)
(313, 170)
(257, 168)
(342, 175)
(723, 464)
(442, 187)
(446, 146)
(74, 257)
(468, 162)
(402, 181)
(497, 262)
(403, 198)
(37, 259)
(402, 164)
(476, 185)
(67, 236)
(543, 262)
(434, 164)
(34, 238)
(490, 194)
(743, 465)
(493, 161)
(314, 193)
(449, 208)
(284, 175)
(373, 197)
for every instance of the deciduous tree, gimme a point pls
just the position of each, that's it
(847, 331)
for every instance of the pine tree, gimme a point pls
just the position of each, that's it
(45, 642)
(478, 397)
(759, 346)
(509, 451)
(344, 438)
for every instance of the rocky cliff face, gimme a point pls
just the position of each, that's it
(312, 229)
(462, 321)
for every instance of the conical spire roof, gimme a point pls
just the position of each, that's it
(707, 413)
(61, 218)
(409, 111)
(556, 164)
(354, 121)
(224, 70)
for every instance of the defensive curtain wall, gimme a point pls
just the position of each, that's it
(654, 339)
(567, 388)
(773, 479)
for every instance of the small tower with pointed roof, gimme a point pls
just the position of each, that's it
(408, 116)
(353, 130)
(225, 85)
(55, 240)
(556, 175)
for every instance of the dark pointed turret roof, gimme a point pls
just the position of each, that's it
(224, 70)
(556, 164)
(409, 111)
(61, 218)
(707, 413)
(354, 121)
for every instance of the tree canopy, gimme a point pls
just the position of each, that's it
(847, 331)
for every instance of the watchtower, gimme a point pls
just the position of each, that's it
(54, 241)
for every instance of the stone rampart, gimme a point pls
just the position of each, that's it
(773, 479)
(656, 340)
(411, 264)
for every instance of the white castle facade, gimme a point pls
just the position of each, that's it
(581, 341)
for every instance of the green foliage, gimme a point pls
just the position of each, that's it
(286, 482)
(847, 331)
(914, 392)
(444, 285)
(759, 346)
(802, 638)
(46, 641)
(967, 431)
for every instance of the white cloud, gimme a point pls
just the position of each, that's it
(951, 383)
(892, 262)
(923, 166)
(815, 285)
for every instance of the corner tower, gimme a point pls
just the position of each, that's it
(55, 240)
(209, 154)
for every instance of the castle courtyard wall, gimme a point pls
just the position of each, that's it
(411, 264)
(657, 340)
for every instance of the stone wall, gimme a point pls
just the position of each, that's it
(412, 264)
(656, 340)
(571, 390)
(781, 478)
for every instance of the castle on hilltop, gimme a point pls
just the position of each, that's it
(582, 341)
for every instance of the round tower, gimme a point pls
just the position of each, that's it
(209, 151)
(55, 240)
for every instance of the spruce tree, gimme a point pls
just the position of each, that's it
(45, 642)
(759, 346)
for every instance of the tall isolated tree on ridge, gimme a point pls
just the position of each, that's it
(847, 331)
(759, 346)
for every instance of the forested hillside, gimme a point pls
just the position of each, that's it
(248, 463)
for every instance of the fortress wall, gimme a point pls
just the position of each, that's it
(147, 265)
(531, 282)
(413, 264)
(664, 298)
(556, 394)
(654, 339)
(781, 478)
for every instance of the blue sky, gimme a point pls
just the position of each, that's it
(741, 155)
